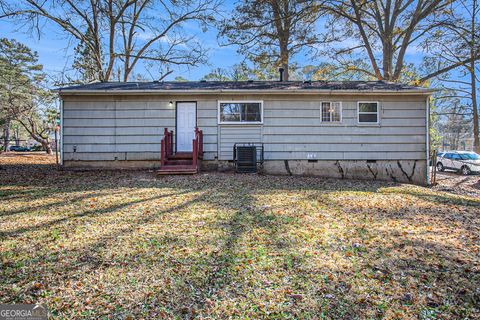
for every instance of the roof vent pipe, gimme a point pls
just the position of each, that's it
(281, 73)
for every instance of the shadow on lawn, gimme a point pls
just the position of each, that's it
(439, 198)
(221, 279)
(86, 213)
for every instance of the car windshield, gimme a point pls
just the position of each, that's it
(470, 156)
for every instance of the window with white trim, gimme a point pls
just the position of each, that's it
(368, 112)
(240, 112)
(331, 111)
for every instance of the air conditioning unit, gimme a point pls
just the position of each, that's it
(245, 159)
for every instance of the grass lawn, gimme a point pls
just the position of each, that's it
(130, 245)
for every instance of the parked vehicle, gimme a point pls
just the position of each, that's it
(36, 148)
(464, 162)
(19, 149)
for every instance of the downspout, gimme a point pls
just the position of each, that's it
(61, 131)
(427, 137)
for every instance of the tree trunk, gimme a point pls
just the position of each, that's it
(16, 136)
(387, 60)
(47, 147)
(6, 135)
(476, 140)
(284, 60)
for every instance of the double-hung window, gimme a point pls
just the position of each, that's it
(331, 111)
(368, 112)
(240, 112)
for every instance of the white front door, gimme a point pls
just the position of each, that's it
(186, 122)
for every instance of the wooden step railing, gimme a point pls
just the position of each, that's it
(197, 148)
(166, 146)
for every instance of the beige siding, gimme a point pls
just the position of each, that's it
(207, 121)
(231, 134)
(131, 128)
(293, 130)
(115, 130)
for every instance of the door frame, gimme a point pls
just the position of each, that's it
(176, 117)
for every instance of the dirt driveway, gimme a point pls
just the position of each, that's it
(452, 182)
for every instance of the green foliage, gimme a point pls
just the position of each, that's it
(23, 97)
(85, 63)
(181, 79)
(20, 72)
(435, 135)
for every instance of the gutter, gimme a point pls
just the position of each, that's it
(427, 138)
(61, 132)
(243, 91)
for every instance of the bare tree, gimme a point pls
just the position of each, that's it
(384, 30)
(458, 41)
(271, 32)
(39, 123)
(118, 34)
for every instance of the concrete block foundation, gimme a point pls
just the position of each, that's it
(407, 171)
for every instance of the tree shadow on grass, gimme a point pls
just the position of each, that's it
(86, 213)
(86, 260)
(440, 198)
(220, 279)
(57, 204)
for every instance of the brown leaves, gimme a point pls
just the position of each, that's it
(238, 246)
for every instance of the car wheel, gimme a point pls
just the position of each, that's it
(440, 167)
(465, 170)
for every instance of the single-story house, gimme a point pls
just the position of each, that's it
(354, 129)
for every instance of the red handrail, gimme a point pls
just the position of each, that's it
(168, 136)
(197, 147)
(195, 152)
(166, 146)
(199, 142)
(162, 153)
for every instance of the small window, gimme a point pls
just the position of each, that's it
(368, 112)
(331, 111)
(239, 112)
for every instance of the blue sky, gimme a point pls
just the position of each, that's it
(55, 53)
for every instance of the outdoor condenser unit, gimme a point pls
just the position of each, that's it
(246, 159)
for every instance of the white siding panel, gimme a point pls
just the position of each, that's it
(133, 127)
(88, 105)
(88, 114)
(76, 139)
(85, 123)
(343, 147)
(293, 130)
(229, 135)
(364, 155)
(83, 131)
(334, 130)
(344, 138)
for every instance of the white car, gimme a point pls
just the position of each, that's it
(465, 162)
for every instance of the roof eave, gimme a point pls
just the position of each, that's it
(246, 91)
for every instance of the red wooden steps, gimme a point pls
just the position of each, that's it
(177, 169)
(182, 155)
(180, 162)
(176, 162)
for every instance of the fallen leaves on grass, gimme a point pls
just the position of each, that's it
(130, 245)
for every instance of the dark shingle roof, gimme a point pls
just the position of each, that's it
(226, 86)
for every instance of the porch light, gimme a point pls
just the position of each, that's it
(170, 104)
